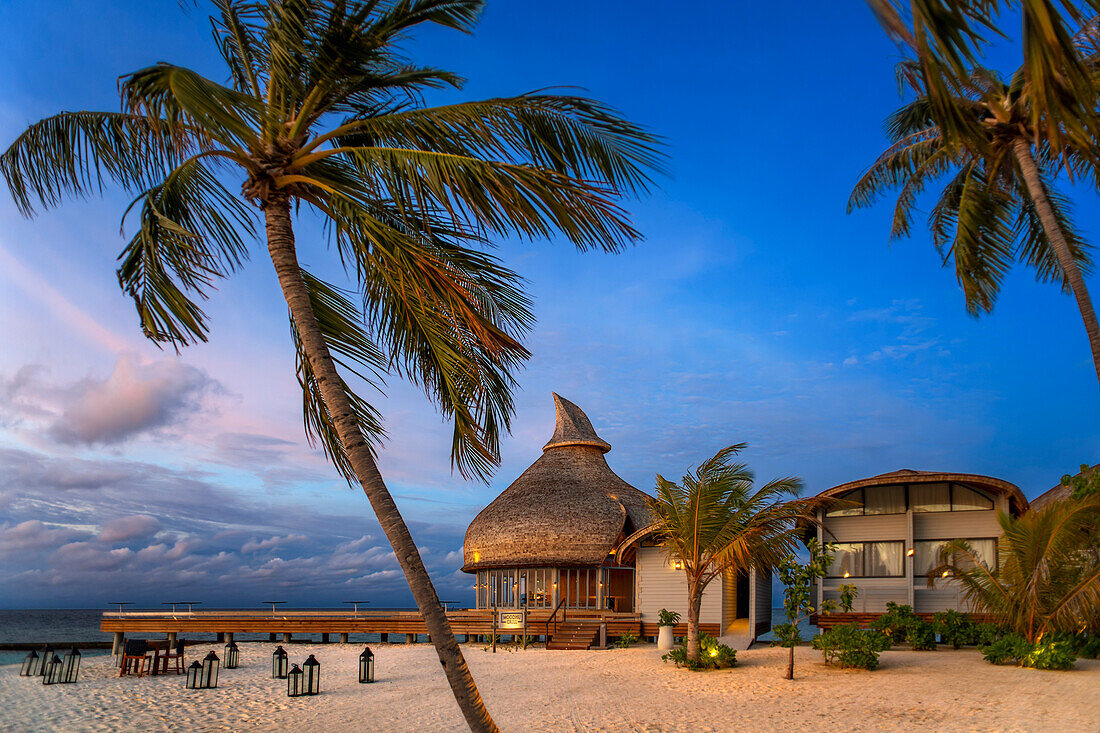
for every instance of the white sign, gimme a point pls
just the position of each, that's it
(511, 619)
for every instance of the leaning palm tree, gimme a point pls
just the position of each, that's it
(716, 522)
(1047, 576)
(1001, 145)
(323, 116)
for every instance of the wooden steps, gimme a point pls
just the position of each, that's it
(575, 635)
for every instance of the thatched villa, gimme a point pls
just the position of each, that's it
(888, 530)
(1059, 492)
(570, 534)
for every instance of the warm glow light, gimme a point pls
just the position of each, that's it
(477, 556)
(847, 575)
(945, 573)
(679, 565)
(714, 652)
(910, 552)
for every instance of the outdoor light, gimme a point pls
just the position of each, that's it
(30, 665)
(44, 659)
(679, 565)
(847, 575)
(278, 664)
(366, 666)
(910, 552)
(72, 666)
(294, 682)
(311, 670)
(945, 573)
(232, 655)
(52, 674)
(194, 672)
(208, 680)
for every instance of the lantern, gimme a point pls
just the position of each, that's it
(366, 666)
(209, 677)
(30, 665)
(71, 669)
(278, 664)
(232, 655)
(311, 671)
(294, 682)
(52, 674)
(45, 657)
(194, 673)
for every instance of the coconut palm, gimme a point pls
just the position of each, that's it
(716, 522)
(1048, 570)
(322, 116)
(1001, 145)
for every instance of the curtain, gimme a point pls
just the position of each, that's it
(884, 559)
(848, 560)
(965, 499)
(927, 555)
(930, 497)
(884, 500)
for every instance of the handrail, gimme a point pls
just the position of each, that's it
(555, 613)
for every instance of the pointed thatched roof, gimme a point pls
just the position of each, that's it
(1058, 492)
(568, 509)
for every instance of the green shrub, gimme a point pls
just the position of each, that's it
(1008, 649)
(785, 635)
(1083, 644)
(896, 622)
(851, 647)
(712, 655)
(986, 633)
(921, 636)
(1050, 655)
(954, 628)
(626, 640)
(666, 617)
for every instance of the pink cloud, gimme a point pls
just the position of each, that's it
(125, 529)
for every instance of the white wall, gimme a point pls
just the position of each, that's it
(659, 585)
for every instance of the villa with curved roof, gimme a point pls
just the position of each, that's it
(888, 530)
(569, 533)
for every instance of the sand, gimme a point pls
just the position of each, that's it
(539, 690)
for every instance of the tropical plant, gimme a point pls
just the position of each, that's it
(666, 617)
(1085, 483)
(714, 655)
(1047, 577)
(954, 628)
(1008, 649)
(1000, 144)
(798, 581)
(921, 636)
(897, 622)
(1046, 653)
(716, 522)
(850, 647)
(624, 641)
(322, 115)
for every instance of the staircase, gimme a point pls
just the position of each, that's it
(574, 635)
(738, 635)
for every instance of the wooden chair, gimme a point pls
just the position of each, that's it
(133, 657)
(176, 655)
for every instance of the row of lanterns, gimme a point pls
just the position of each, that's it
(50, 667)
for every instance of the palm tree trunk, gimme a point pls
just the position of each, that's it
(694, 601)
(280, 244)
(790, 662)
(1057, 240)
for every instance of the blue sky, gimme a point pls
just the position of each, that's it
(756, 310)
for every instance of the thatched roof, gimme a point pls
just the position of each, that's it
(1058, 492)
(909, 476)
(568, 509)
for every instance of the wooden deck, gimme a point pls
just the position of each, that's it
(410, 623)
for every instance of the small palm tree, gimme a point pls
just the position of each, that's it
(1048, 570)
(715, 522)
(1001, 145)
(322, 114)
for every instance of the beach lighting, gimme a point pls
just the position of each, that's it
(52, 671)
(945, 573)
(232, 655)
(679, 565)
(910, 552)
(71, 668)
(45, 657)
(208, 680)
(194, 674)
(278, 664)
(30, 665)
(366, 666)
(294, 682)
(311, 671)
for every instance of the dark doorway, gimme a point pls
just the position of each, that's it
(742, 594)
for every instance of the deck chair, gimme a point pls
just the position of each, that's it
(175, 656)
(133, 657)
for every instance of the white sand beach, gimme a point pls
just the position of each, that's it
(539, 690)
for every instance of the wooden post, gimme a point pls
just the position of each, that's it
(494, 631)
(286, 637)
(410, 638)
(172, 639)
(385, 638)
(221, 637)
(324, 637)
(228, 637)
(271, 636)
(116, 644)
(343, 638)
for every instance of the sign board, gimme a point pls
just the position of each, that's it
(512, 619)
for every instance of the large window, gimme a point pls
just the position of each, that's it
(515, 588)
(868, 560)
(927, 554)
(895, 499)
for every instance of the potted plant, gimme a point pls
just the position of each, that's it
(666, 619)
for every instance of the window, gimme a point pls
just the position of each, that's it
(849, 504)
(868, 560)
(927, 554)
(884, 500)
(965, 499)
(930, 497)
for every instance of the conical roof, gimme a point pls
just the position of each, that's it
(568, 509)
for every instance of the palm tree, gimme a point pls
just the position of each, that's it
(715, 522)
(1048, 570)
(1001, 144)
(322, 114)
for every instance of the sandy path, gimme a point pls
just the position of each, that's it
(537, 690)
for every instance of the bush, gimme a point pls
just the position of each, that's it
(666, 617)
(626, 640)
(985, 634)
(1083, 644)
(851, 647)
(896, 622)
(921, 636)
(712, 655)
(956, 629)
(1050, 655)
(785, 635)
(1009, 649)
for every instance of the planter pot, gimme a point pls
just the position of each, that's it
(664, 638)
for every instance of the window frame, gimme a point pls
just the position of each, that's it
(862, 508)
(994, 540)
(866, 554)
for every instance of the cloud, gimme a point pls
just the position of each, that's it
(124, 529)
(271, 543)
(135, 399)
